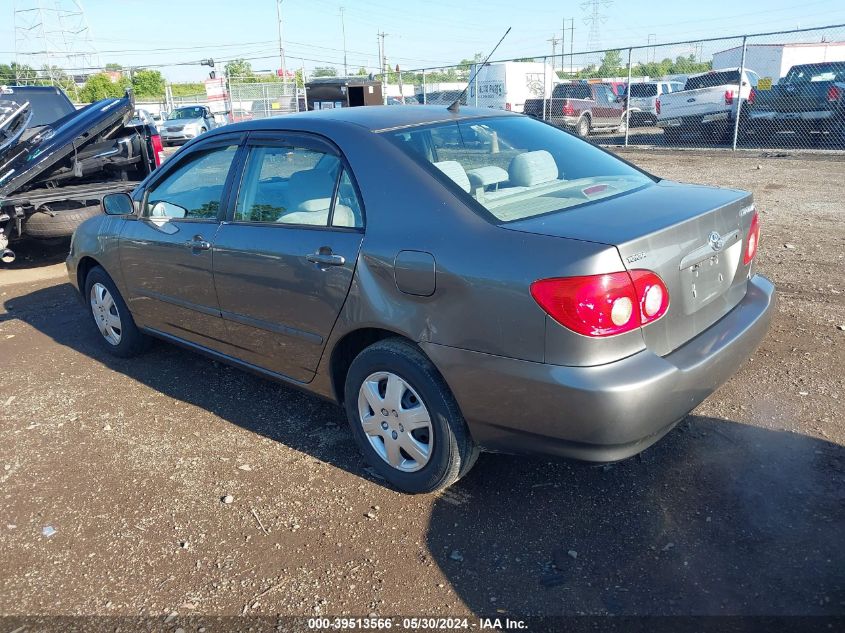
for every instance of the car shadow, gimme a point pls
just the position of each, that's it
(719, 518)
(273, 410)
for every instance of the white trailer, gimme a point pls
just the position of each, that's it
(506, 86)
(772, 61)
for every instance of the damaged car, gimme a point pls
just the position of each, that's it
(57, 162)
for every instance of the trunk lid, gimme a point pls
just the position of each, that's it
(692, 236)
(693, 102)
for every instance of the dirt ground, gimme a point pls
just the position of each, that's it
(740, 510)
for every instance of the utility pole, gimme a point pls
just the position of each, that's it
(562, 46)
(554, 42)
(281, 40)
(343, 28)
(383, 62)
(572, 46)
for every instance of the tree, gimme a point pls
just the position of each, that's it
(112, 67)
(101, 86)
(325, 71)
(362, 72)
(611, 64)
(148, 83)
(239, 69)
(15, 73)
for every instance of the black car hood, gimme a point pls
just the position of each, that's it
(32, 156)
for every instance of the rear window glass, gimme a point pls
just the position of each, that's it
(713, 79)
(643, 90)
(48, 106)
(517, 167)
(816, 72)
(572, 91)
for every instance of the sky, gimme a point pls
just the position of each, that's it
(174, 35)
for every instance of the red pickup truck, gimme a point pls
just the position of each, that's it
(580, 107)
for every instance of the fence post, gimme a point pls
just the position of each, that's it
(423, 86)
(739, 95)
(544, 89)
(628, 100)
(475, 80)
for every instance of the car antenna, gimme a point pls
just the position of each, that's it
(456, 104)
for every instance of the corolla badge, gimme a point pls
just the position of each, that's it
(716, 241)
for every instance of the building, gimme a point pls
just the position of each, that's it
(772, 61)
(342, 92)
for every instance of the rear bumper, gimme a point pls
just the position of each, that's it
(694, 122)
(794, 121)
(603, 413)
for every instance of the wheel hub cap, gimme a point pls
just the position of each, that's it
(396, 421)
(106, 315)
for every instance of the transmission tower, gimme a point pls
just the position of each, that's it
(594, 19)
(53, 38)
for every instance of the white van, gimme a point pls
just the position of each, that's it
(642, 100)
(506, 86)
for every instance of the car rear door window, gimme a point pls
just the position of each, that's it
(297, 185)
(194, 190)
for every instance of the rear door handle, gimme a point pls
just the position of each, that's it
(198, 243)
(326, 259)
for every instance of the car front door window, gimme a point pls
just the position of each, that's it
(194, 190)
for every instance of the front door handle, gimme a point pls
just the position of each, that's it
(323, 258)
(198, 243)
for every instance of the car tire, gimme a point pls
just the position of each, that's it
(105, 304)
(52, 223)
(582, 128)
(392, 384)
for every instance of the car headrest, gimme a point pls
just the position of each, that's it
(455, 171)
(532, 168)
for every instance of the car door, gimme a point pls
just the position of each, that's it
(166, 252)
(284, 262)
(604, 113)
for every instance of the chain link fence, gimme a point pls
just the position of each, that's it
(772, 90)
(251, 100)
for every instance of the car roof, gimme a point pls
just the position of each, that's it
(373, 118)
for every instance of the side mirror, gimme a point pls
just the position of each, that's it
(118, 204)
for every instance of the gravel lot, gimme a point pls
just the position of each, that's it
(738, 511)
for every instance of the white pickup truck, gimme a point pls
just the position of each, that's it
(707, 105)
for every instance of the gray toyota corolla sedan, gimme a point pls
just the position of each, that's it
(457, 281)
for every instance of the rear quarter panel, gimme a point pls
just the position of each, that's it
(482, 300)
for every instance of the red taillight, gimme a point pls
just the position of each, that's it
(833, 93)
(729, 97)
(158, 149)
(603, 305)
(508, 107)
(752, 96)
(568, 109)
(753, 239)
(657, 106)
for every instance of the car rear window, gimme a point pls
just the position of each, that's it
(815, 72)
(48, 106)
(512, 168)
(643, 90)
(572, 91)
(713, 79)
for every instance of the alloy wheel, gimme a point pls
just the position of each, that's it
(106, 315)
(396, 421)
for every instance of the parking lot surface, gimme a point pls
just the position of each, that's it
(113, 472)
